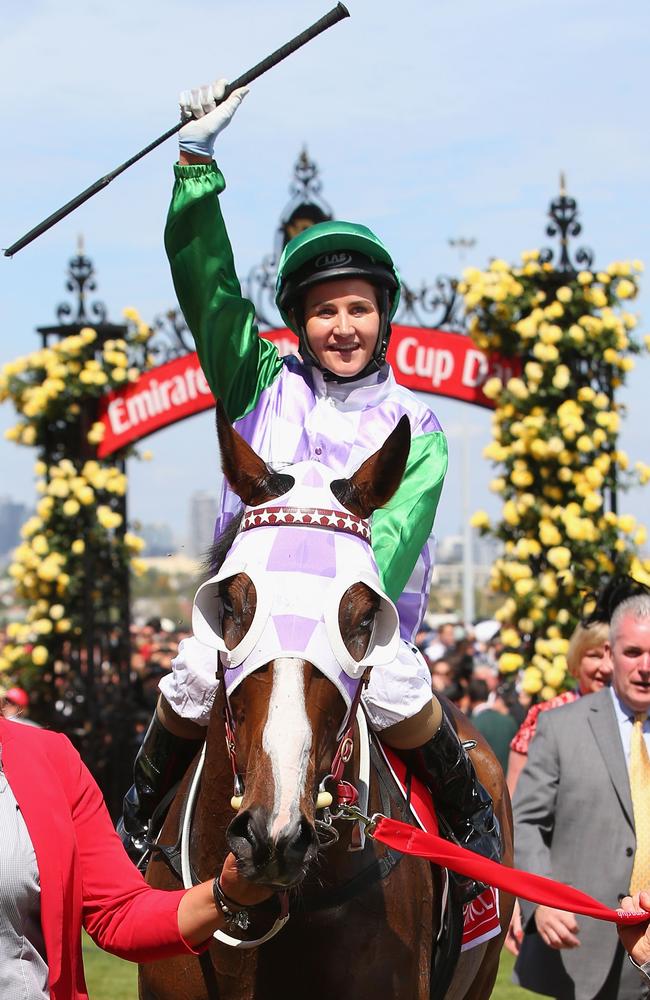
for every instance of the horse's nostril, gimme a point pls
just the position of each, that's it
(246, 831)
(299, 842)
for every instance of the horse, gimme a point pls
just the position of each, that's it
(364, 921)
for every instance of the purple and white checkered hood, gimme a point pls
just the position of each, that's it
(300, 570)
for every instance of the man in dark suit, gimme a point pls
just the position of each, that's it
(575, 822)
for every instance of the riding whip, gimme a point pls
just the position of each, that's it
(332, 17)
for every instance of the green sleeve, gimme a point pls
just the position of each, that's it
(238, 364)
(401, 528)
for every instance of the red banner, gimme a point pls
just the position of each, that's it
(445, 364)
(431, 361)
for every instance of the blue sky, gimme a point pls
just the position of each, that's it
(428, 121)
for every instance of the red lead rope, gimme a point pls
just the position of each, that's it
(535, 888)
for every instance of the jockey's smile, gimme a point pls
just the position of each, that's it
(342, 324)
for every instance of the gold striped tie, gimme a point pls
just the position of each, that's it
(640, 788)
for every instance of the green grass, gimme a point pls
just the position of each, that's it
(108, 978)
(111, 978)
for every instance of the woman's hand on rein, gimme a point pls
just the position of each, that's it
(198, 915)
(238, 888)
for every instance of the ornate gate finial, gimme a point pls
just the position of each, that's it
(81, 279)
(563, 213)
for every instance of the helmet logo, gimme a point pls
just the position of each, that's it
(332, 260)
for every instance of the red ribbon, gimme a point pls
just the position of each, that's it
(536, 888)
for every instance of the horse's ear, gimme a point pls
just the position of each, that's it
(375, 482)
(247, 474)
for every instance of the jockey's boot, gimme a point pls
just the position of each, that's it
(159, 765)
(465, 806)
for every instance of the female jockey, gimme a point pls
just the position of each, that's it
(337, 289)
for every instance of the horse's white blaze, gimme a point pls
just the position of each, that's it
(287, 741)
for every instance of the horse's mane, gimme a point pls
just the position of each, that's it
(216, 554)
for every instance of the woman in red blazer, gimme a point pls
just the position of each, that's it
(86, 878)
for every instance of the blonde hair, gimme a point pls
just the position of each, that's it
(584, 638)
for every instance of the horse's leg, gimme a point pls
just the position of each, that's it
(477, 968)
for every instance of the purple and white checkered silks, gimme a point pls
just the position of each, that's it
(300, 572)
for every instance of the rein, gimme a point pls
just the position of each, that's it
(536, 888)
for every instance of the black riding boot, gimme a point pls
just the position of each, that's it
(160, 763)
(465, 806)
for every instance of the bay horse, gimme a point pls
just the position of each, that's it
(364, 922)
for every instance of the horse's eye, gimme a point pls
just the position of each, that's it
(226, 604)
(368, 619)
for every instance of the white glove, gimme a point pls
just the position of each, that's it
(205, 118)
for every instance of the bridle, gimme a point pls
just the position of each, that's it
(342, 793)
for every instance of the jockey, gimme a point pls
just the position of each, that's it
(337, 289)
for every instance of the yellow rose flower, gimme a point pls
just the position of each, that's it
(559, 556)
(510, 662)
(58, 488)
(107, 517)
(40, 655)
(526, 328)
(63, 625)
(48, 571)
(564, 294)
(531, 681)
(492, 387)
(510, 513)
(517, 387)
(555, 676)
(78, 546)
(137, 544)
(40, 545)
(561, 377)
(627, 523)
(479, 519)
(626, 289)
(548, 534)
(533, 371)
(585, 277)
(510, 637)
(139, 567)
(71, 507)
(546, 352)
(592, 502)
(85, 495)
(96, 433)
(521, 478)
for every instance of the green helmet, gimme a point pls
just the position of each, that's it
(331, 250)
